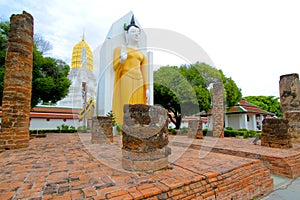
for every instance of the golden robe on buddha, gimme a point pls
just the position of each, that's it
(130, 82)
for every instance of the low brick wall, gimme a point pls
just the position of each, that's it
(275, 133)
(245, 179)
(282, 162)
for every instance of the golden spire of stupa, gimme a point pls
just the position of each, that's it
(82, 55)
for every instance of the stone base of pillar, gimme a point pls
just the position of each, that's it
(147, 162)
(294, 126)
(145, 138)
(195, 129)
(102, 130)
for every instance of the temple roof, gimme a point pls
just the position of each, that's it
(245, 107)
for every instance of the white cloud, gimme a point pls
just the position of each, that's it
(254, 42)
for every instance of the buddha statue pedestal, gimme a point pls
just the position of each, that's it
(145, 138)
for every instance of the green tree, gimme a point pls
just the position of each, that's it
(174, 92)
(185, 89)
(49, 76)
(267, 103)
(4, 29)
(208, 73)
(194, 75)
(232, 92)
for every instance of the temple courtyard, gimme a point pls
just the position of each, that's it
(69, 166)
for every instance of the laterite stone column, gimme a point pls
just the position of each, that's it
(289, 93)
(218, 110)
(294, 124)
(16, 101)
(145, 138)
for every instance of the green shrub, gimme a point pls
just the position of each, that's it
(204, 131)
(83, 128)
(252, 133)
(172, 131)
(246, 134)
(228, 128)
(229, 133)
(233, 133)
(258, 135)
(119, 128)
(184, 130)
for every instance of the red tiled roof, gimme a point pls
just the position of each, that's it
(246, 107)
(55, 110)
(52, 112)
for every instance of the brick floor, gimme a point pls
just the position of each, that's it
(283, 162)
(68, 166)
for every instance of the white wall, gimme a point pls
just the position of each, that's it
(234, 121)
(43, 124)
(252, 122)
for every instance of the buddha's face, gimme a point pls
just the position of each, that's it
(134, 34)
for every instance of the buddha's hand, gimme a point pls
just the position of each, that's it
(148, 96)
(123, 54)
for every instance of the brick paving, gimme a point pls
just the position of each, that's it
(283, 162)
(68, 166)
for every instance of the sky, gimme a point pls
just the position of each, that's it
(253, 42)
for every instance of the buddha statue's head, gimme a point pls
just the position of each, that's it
(132, 32)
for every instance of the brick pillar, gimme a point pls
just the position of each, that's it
(218, 110)
(195, 129)
(102, 130)
(289, 93)
(145, 137)
(16, 101)
(294, 124)
(275, 133)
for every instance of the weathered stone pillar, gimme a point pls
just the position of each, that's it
(145, 137)
(16, 101)
(293, 118)
(275, 133)
(218, 110)
(102, 130)
(195, 129)
(289, 93)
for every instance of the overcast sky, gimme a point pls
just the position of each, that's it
(253, 42)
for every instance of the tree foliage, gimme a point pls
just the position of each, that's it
(268, 103)
(185, 90)
(232, 92)
(49, 76)
(173, 91)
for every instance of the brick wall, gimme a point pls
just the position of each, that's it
(275, 133)
(16, 101)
